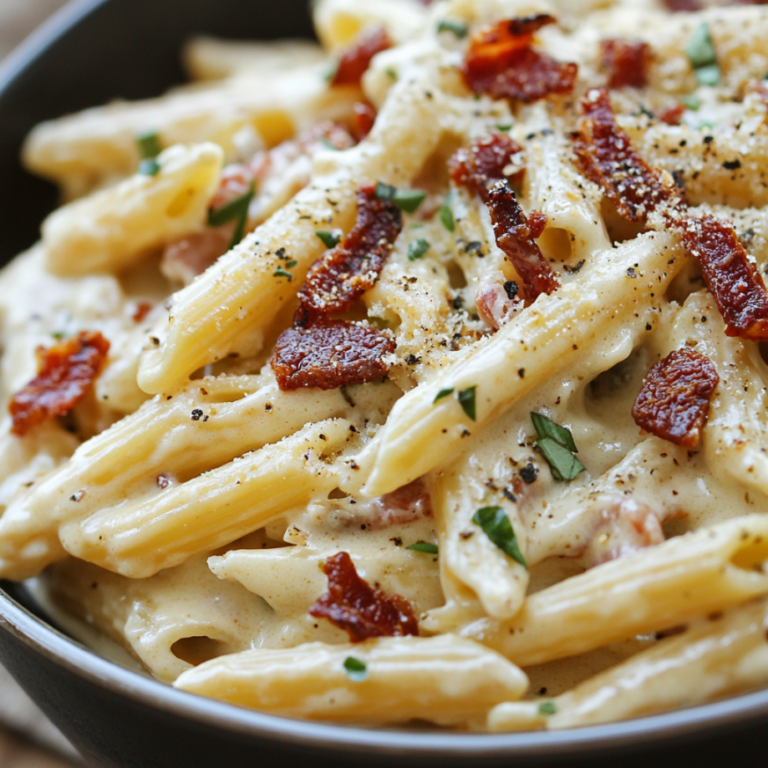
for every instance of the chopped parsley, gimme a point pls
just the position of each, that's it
(330, 239)
(458, 28)
(557, 446)
(443, 393)
(280, 272)
(423, 546)
(701, 53)
(466, 399)
(417, 249)
(391, 74)
(547, 708)
(149, 167)
(149, 144)
(504, 127)
(496, 526)
(446, 215)
(356, 670)
(235, 210)
(691, 102)
(407, 200)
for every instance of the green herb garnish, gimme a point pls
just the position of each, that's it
(547, 708)
(330, 240)
(691, 102)
(496, 526)
(291, 264)
(423, 546)
(459, 28)
(407, 200)
(234, 210)
(443, 393)
(391, 74)
(466, 399)
(149, 167)
(702, 55)
(417, 249)
(446, 215)
(149, 144)
(545, 427)
(280, 272)
(557, 446)
(505, 127)
(356, 670)
(330, 73)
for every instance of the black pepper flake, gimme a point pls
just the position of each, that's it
(709, 139)
(648, 327)
(508, 494)
(196, 414)
(474, 247)
(466, 535)
(574, 270)
(458, 301)
(631, 272)
(732, 165)
(679, 179)
(529, 473)
(77, 496)
(511, 287)
(521, 372)
(412, 360)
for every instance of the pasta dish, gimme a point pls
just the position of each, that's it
(419, 375)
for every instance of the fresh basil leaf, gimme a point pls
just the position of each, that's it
(385, 191)
(149, 144)
(356, 670)
(700, 49)
(407, 200)
(545, 427)
(564, 465)
(496, 526)
(547, 708)
(466, 398)
(459, 28)
(417, 249)
(149, 167)
(330, 240)
(443, 393)
(424, 546)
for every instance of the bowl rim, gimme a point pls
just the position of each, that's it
(653, 730)
(69, 654)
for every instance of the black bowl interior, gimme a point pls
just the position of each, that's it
(97, 50)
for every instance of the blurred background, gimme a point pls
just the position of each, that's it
(27, 740)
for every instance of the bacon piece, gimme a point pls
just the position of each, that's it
(732, 279)
(356, 60)
(363, 118)
(481, 165)
(607, 157)
(189, 257)
(143, 308)
(329, 354)
(406, 504)
(673, 114)
(361, 611)
(501, 63)
(516, 235)
(340, 277)
(626, 62)
(622, 527)
(688, 6)
(65, 373)
(497, 302)
(673, 402)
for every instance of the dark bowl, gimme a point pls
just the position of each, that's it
(97, 50)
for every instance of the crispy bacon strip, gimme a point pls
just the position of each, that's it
(673, 402)
(482, 164)
(607, 157)
(501, 63)
(356, 60)
(732, 279)
(626, 62)
(65, 373)
(354, 606)
(516, 235)
(338, 279)
(329, 354)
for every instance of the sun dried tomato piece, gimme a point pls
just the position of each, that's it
(626, 62)
(65, 373)
(340, 277)
(516, 235)
(673, 114)
(143, 308)
(732, 279)
(606, 156)
(673, 402)
(482, 164)
(360, 610)
(501, 63)
(356, 60)
(363, 118)
(329, 354)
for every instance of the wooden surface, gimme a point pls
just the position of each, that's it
(20, 748)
